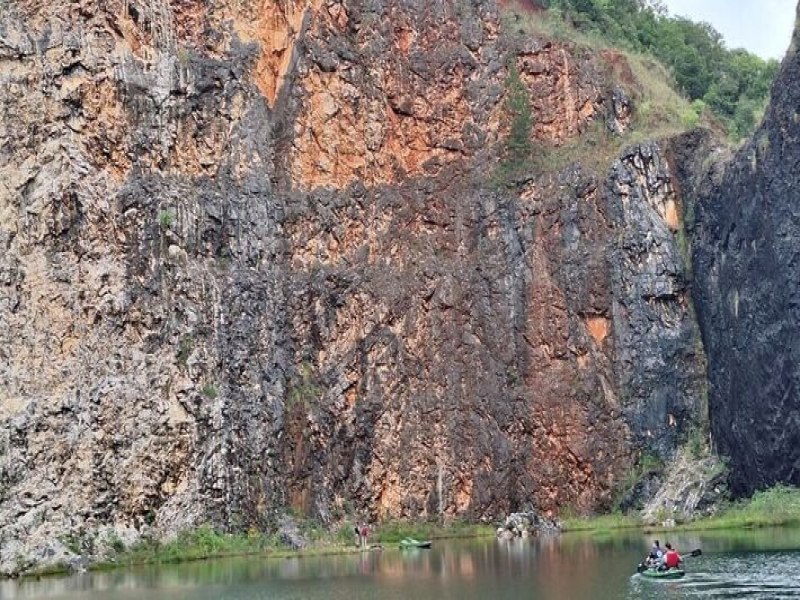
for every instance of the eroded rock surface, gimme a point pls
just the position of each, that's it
(748, 284)
(251, 260)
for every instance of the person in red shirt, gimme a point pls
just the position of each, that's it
(671, 559)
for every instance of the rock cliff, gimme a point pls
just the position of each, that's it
(747, 294)
(253, 260)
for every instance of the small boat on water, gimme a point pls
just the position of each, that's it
(649, 569)
(407, 543)
(668, 574)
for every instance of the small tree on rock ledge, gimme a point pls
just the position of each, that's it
(518, 147)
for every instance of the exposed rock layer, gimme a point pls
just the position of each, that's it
(747, 261)
(252, 261)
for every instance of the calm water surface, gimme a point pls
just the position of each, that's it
(747, 564)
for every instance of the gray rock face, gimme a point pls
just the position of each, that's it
(653, 322)
(251, 260)
(747, 263)
(693, 487)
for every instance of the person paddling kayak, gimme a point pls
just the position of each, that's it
(671, 559)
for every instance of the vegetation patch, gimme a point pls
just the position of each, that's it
(659, 110)
(391, 532)
(210, 391)
(184, 350)
(602, 523)
(196, 544)
(206, 543)
(518, 151)
(733, 84)
(166, 218)
(778, 506)
(303, 390)
(647, 465)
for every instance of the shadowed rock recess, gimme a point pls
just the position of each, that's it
(252, 261)
(747, 261)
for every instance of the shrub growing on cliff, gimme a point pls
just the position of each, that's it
(518, 149)
(185, 350)
(166, 218)
(303, 389)
(518, 109)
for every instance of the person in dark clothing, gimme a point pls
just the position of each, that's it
(656, 554)
(656, 551)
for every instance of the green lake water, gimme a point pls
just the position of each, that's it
(762, 564)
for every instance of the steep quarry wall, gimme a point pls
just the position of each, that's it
(252, 260)
(748, 275)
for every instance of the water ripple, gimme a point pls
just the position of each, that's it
(759, 576)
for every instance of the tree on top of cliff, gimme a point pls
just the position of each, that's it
(734, 84)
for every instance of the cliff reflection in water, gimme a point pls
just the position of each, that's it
(569, 566)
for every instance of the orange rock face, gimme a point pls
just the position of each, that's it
(380, 121)
(562, 103)
(278, 28)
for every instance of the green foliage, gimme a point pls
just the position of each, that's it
(72, 542)
(345, 534)
(210, 391)
(303, 389)
(777, 506)
(733, 83)
(116, 544)
(166, 218)
(205, 542)
(518, 149)
(195, 544)
(696, 443)
(518, 110)
(600, 524)
(647, 464)
(391, 532)
(690, 118)
(659, 111)
(185, 350)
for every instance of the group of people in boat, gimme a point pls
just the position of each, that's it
(663, 558)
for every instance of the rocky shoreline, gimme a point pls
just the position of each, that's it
(527, 524)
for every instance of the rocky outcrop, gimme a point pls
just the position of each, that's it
(746, 262)
(525, 524)
(253, 260)
(693, 487)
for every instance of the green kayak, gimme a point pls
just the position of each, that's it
(668, 574)
(412, 543)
